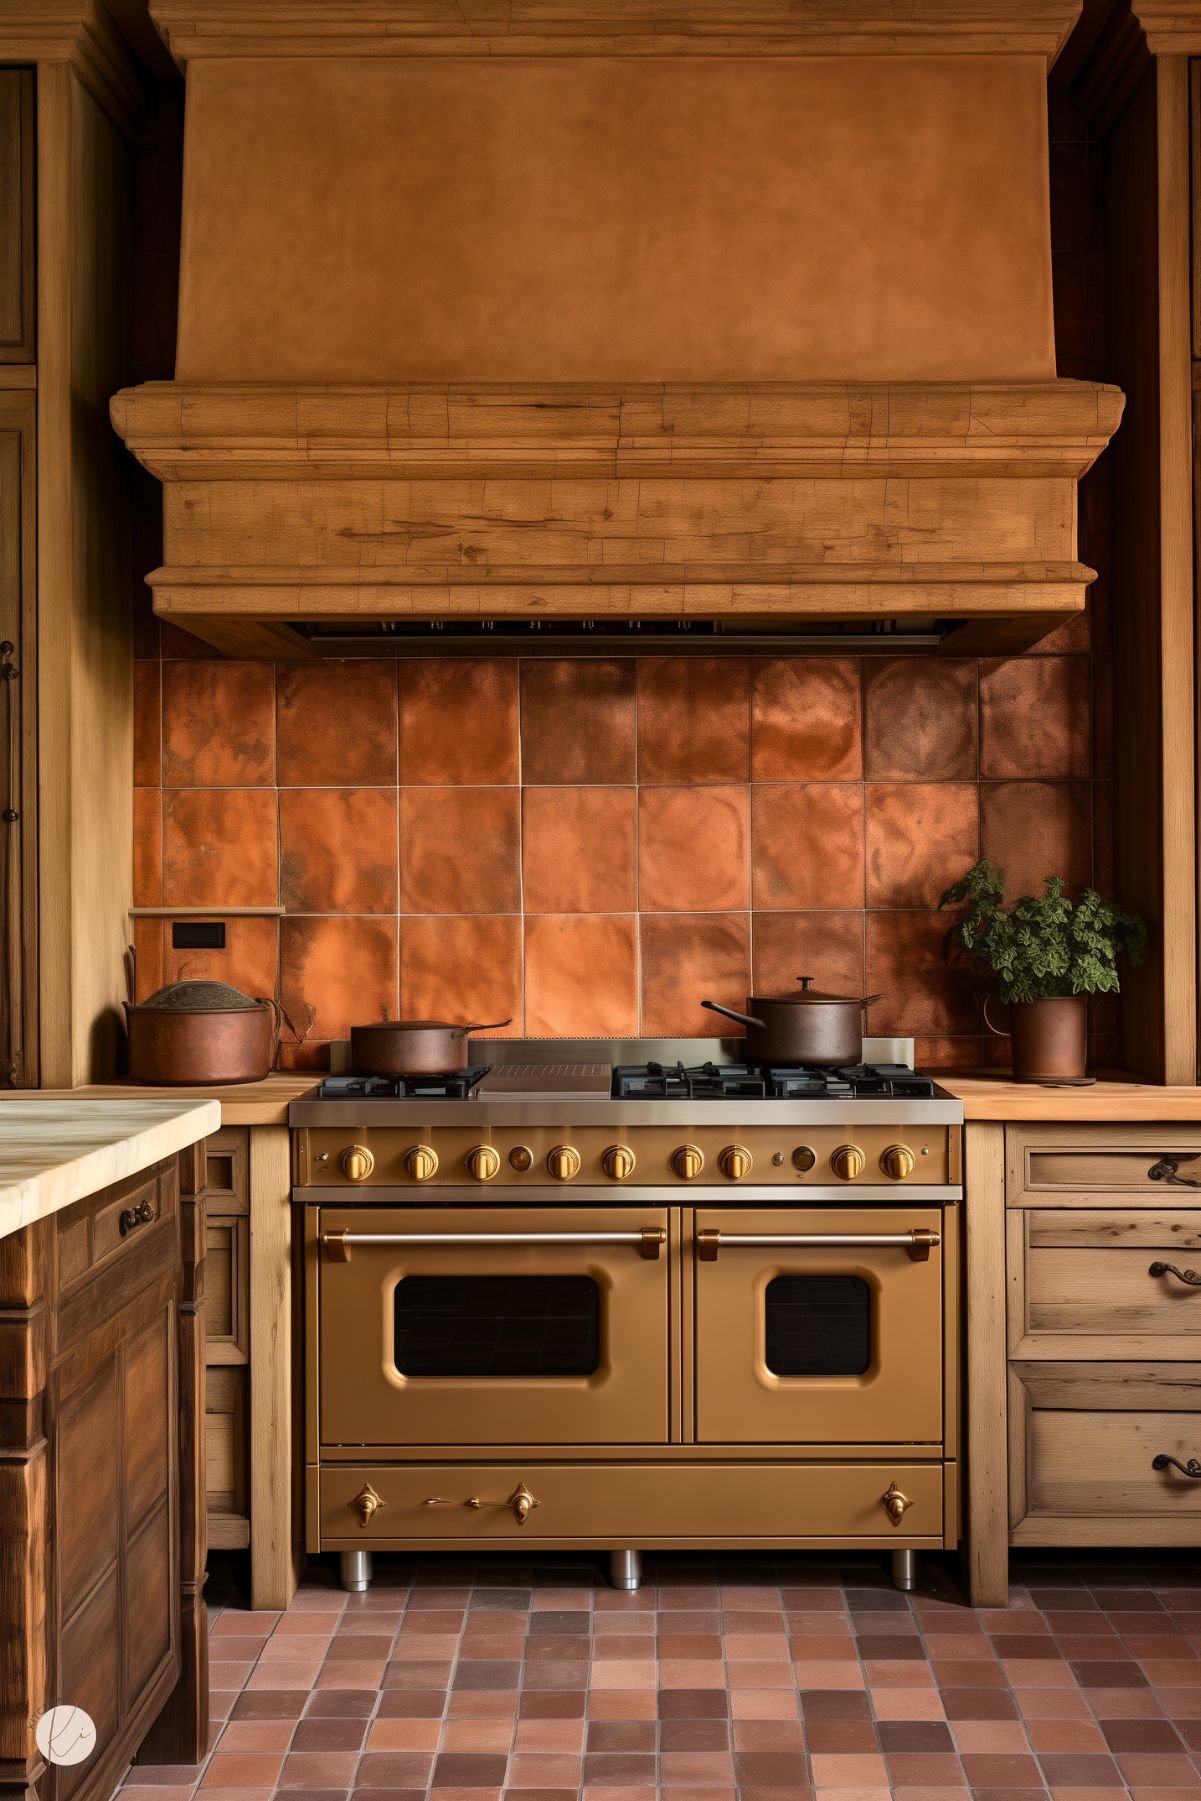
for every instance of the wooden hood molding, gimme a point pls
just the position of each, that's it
(772, 503)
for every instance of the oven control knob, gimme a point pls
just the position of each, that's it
(483, 1162)
(847, 1162)
(897, 1162)
(421, 1161)
(563, 1162)
(357, 1163)
(735, 1161)
(688, 1161)
(618, 1162)
(803, 1158)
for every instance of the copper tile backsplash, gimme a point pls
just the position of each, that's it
(592, 846)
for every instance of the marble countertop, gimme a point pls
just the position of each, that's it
(55, 1150)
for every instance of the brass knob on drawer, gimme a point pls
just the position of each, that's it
(897, 1162)
(895, 1503)
(563, 1162)
(357, 1163)
(618, 1162)
(847, 1162)
(688, 1160)
(483, 1162)
(735, 1162)
(523, 1503)
(421, 1161)
(367, 1504)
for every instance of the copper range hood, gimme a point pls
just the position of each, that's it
(544, 325)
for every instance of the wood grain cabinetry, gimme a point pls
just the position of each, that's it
(227, 1351)
(101, 1551)
(18, 733)
(16, 216)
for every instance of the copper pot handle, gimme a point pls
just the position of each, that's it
(740, 1019)
(490, 1025)
(1001, 1031)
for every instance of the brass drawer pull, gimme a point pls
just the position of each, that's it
(521, 1501)
(367, 1504)
(895, 1503)
(1191, 1469)
(649, 1240)
(1167, 1168)
(141, 1215)
(917, 1242)
(1169, 1269)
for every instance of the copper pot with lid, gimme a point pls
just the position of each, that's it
(804, 1027)
(200, 1034)
(412, 1047)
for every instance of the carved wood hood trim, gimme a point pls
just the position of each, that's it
(205, 28)
(772, 502)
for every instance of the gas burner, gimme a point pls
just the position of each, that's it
(455, 1087)
(744, 1081)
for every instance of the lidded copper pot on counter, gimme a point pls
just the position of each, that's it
(200, 1034)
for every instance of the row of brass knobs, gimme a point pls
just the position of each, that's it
(687, 1161)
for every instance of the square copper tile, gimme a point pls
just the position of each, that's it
(337, 723)
(577, 720)
(336, 973)
(147, 724)
(218, 724)
(907, 965)
(693, 719)
(147, 847)
(920, 719)
(465, 970)
(249, 961)
(459, 850)
(807, 845)
(1037, 829)
(1035, 717)
(692, 850)
(577, 850)
(220, 848)
(581, 976)
(687, 958)
(458, 722)
(148, 957)
(920, 837)
(805, 720)
(827, 946)
(338, 850)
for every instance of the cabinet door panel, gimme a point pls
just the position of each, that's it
(86, 1486)
(148, 1600)
(88, 1676)
(149, 1400)
(16, 216)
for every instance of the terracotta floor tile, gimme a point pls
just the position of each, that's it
(242, 1769)
(843, 1769)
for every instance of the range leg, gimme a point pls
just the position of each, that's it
(625, 1569)
(904, 1570)
(355, 1571)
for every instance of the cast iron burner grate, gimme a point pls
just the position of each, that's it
(747, 1081)
(454, 1087)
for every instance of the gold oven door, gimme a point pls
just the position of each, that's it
(474, 1326)
(800, 1341)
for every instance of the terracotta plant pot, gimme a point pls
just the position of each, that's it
(1049, 1039)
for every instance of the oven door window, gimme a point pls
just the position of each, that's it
(497, 1327)
(817, 1326)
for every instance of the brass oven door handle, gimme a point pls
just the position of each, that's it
(917, 1242)
(1166, 1169)
(1191, 1469)
(1169, 1269)
(649, 1240)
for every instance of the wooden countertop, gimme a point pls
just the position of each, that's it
(985, 1095)
(58, 1149)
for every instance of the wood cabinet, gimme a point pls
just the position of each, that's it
(227, 1349)
(18, 733)
(16, 216)
(101, 1544)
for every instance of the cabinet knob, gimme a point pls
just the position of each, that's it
(421, 1161)
(735, 1162)
(357, 1162)
(563, 1162)
(618, 1162)
(847, 1162)
(483, 1162)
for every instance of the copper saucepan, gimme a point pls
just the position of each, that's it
(806, 1027)
(412, 1047)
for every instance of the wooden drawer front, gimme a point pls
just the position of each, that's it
(113, 1224)
(227, 1170)
(226, 1289)
(225, 1447)
(1084, 1166)
(630, 1504)
(1081, 1440)
(1081, 1283)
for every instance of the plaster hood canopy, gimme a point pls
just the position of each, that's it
(546, 320)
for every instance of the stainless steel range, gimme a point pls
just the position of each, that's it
(631, 1295)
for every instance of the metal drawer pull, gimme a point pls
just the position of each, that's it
(918, 1242)
(141, 1215)
(1169, 1269)
(1191, 1469)
(367, 1504)
(650, 1240)
(895, 1503)
(1165, 1170)
(521, 1501)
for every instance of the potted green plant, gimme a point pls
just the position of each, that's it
(1047, 953)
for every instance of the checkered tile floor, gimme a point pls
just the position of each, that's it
(723, 1679)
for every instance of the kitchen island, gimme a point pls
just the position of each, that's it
(101, 1433)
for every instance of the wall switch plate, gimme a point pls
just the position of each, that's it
(197, 934)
